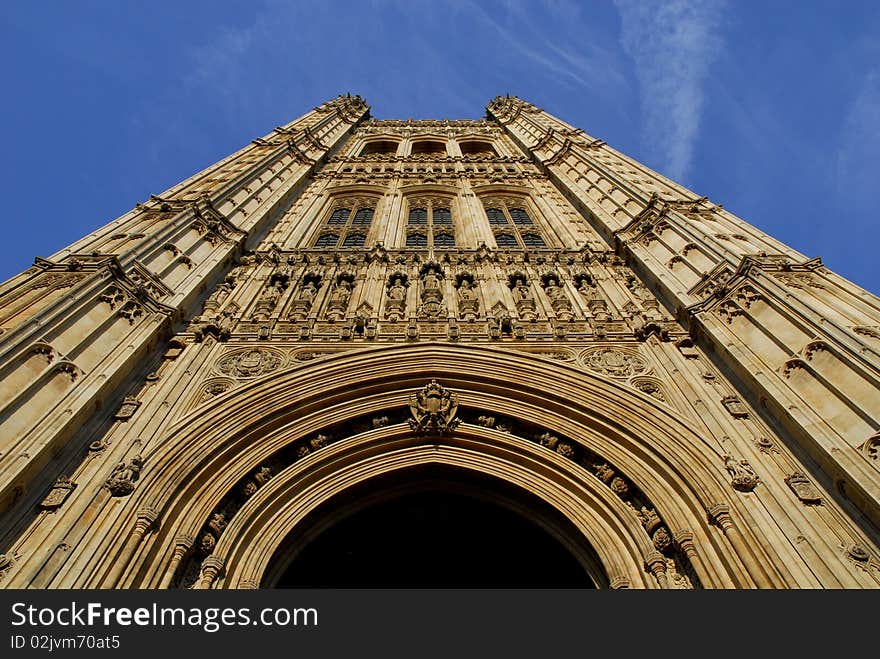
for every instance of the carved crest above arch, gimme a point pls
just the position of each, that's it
(250, 362)
(614, 361)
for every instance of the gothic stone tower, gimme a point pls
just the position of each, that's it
(348, 311)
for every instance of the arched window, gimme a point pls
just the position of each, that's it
(416, 240)
(516, 218)
(327, 240)
(339, 216)
(442, 216)
(438, 232)
(520, 217)
(379, 146)
(533, 240)
(496, 216)
(342, 220)
(444, 240)
(476, 148)
(418, 217)
(363, 217)
(354, 240)
(432, 147)
(505, 240)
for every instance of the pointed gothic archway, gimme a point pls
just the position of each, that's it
(434, 527)
(593, 450)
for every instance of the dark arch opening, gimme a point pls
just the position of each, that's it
(379, 146)
(429, 147)
(435, 530)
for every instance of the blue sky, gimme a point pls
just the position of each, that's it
(770, 108)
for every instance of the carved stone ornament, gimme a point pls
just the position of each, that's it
(256, 481)
(735, 406)
(250, 363)
(7, 561)
(803, 488)
(122, 479)
(857, 553)
(743, 477)
(649, 519)
(661, 539)
(613, 362)
(870, 448)
(127, 409)
(339, 298)
(649, 387)
(58, 494)
(433, 409)
(214, 387)
(562, 447)
(468, 302)
(486, 421)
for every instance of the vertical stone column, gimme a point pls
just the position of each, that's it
(182, 545)
(146, 519)
(212, 567)
(684, 540)
(719, 514)
(619, 583)
(655, 563)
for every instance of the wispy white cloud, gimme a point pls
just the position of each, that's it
(858, 156)
(556, 39)
(673, 45)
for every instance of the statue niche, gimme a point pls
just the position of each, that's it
(395, 302)
(302, 303)
(558, 299)
(595, 301)
(269, 298)
(339, 297)
(468, 303)
(523, 297)
(432, 307)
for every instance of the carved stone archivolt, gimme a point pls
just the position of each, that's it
(250, 363)
(872, 332)
(560, 353)
(675, 565)
(735, 406)
(613, 361)
(128, 408)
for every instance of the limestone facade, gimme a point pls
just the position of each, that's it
(348, 298)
